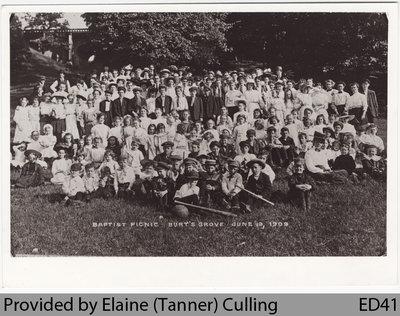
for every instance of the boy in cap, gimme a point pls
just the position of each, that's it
(259, 183)
(300, 186)
(231, 185)
(189, 192)
(216, 155)
(165, 156)
(256, 145)
(32, 174)
(163, 187)
(211, 189)
(227, 149)
(73, 186)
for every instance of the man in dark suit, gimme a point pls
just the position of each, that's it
(137, 102)
(373, 108)
(164, 102)
(120, 106)
(195, 105)
(209, 105)
(106, 106)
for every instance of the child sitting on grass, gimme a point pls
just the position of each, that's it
(374, 165)
(74, 187)
(300, 186)
(345, 161)
(109, 161)
(163, 187)
(189, 192)
(231, 185)
(91, 181)
(32, 173)
(126, 178)
(108, 185)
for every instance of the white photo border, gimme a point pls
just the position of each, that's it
(253, 273)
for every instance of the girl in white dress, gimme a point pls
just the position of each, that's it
(71, 117)
(101, 130)
(47, 141)
(279, 105)
(21, 118)
(181, 144)
(320, 123)
(34, 115)
(61, 167)
(239, 132)
(116, 130)
(150, 147)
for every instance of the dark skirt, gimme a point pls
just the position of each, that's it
(59, 127)
(45, 119)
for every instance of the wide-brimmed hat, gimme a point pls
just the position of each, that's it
(59, 94)
(215, 143)
(175, 157)
(348, 116)
(136, 88)
(162, 165)
(165, 70)
(82, 95)
(192, 175)
(256, 161)
(32, 151)
(319, 137)
(240, 101)
(190, 161)
(193, 88)
(328, 129)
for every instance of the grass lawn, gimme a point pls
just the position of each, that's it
(348, 220)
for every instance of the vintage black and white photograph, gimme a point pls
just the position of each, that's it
(198, 134)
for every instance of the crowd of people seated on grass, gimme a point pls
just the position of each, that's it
(169, 135)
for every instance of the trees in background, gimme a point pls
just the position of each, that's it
(19, 51)
(312, 43)
(197, 39)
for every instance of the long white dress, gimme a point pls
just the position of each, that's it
(47, 142)
(71, 120)
(34, 118)
(23, 128)
(60, 169)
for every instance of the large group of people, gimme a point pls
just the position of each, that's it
(217, 139)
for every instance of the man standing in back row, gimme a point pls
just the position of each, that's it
(373, 108)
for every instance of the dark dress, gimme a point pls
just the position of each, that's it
(344, 162)
(31, 176)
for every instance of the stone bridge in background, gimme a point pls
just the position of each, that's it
(78, 39)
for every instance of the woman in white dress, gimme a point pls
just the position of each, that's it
(47, 141)
(21, 118)
(240, 131)
(61, 167)
(101, 130)
(34, 115)
(253, 97)
(71, 117)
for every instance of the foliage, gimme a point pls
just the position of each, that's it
(19, 51)
(48, 22)
(161, 38)
(312, 43)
